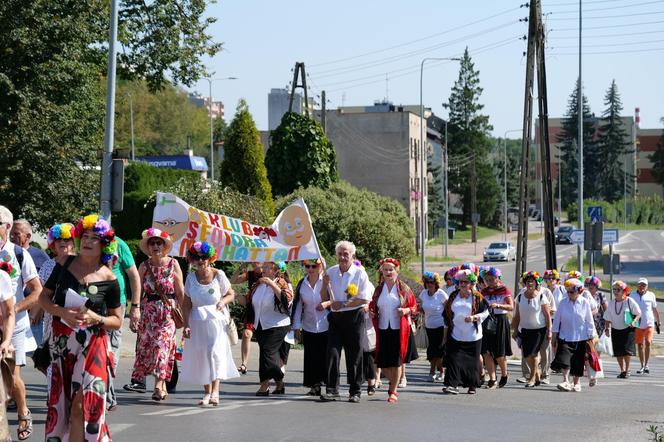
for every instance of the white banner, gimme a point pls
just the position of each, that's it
(290, 238)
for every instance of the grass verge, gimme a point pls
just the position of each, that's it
(463, 236)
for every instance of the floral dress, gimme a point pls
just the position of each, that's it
(155, 352)
(81, 360)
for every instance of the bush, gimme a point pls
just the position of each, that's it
(141, 177)
(377, 225)
(645, 210)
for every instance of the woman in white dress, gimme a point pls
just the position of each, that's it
(207, 357)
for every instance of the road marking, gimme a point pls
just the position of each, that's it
(117, 428)
(189, 411)
(166, 411)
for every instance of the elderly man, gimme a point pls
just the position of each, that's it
(649, 321)
(347, 286)
(25, 278)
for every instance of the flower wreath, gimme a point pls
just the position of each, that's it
(552, 273)
(204, 249)
(392, 261)
(101, 227)
(60, 231)
(431, 277)
(531, 275)
(592, 280)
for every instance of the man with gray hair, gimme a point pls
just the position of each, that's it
(25, 278)
(347, 287)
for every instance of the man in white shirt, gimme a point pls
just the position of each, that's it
(346, 321)
(26, 278)
(649, 321)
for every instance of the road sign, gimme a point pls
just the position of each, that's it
(475, 218)
(595, 214)
(610, 236)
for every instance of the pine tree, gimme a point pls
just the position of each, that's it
(436, 198)
(468, 133)
(243, 167)
(657, 159)
(614, 144)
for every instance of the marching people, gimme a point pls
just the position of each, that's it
(207, 358)
(573, 327)
(532, 324)
(432, 300)
(161, 281)
(346, 321)
(83, 296)
(621, 320)
(310, 321)
(7, 329)
(593, 284)
(552, 279)
(250, 276)
(464, 312)
(496, 338)
(647, 325)
(391, 307)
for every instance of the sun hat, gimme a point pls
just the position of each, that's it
(155, 233)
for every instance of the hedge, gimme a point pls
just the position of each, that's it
(645, 210)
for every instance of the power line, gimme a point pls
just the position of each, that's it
(626, 34)
(628, 51)
(577, 3)
(609, 44)
(603, 17)
(576, 11)
(611, 26)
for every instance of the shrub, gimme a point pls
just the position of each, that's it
(645, 210)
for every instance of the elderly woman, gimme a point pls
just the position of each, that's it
(496, 342)
(83, 296)
(391, 307)
(592, 285)
(621, 318)
(8, 321)
(207, 358)
(310, 316)
(532, 323)
(552, 280)
(464, 312)
(269, 302)
(573, 326)
(432, 300)
(161, 280)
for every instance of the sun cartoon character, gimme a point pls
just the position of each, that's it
(171, 217)
(295, 227)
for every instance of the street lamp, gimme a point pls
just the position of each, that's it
(210, 80)
(505, 180)
(131, 125)
(422, 174)
(579, 248)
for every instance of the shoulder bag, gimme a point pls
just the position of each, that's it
(231, 328)
(629, 316)
(176, 311)
(490, 324)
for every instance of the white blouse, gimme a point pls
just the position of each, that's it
(266, 315)
(616, 312)
(388, 303)
(306, 316)
(531, 314)
(462, 330)
(574, 320)
(433, 307)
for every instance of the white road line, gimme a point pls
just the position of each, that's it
(189, 411)
(165, 411)
(117, 428)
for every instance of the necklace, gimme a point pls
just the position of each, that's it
(615, 307)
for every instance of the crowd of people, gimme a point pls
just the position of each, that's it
(67, 311)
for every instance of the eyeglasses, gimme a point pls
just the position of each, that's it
(464, 282)
(198, 258)
(310, 266)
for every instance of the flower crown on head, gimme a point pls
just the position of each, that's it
(592, 280)
(470, 266)
(155, 233)
(204, 249)
(492, 271)
(452, 271)
(392, 261)
(60, 231)
(465, 274)
(575, 274)
(282, 266)
(7, 267)
(99, 226)
(552, 273)
(431, 277)
(531, 275)
(573, 283)
(622, 285)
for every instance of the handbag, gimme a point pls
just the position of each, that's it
(7, 365)
(629, 316)
(231, 330)
(42, 357)
(490, 324)
(591, 356)
(176, 311)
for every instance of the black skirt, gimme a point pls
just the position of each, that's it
(389, 348)
(623, 342)
(435, 348)
(570, 355)
(462, 363)
(271, 352)
(498, 344)
(315, 351)
(532, 341)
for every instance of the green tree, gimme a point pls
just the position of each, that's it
(614, 143)
(300, 155)
(657, 159)
(513, 148)
(468, 132)
(243, 167)
(436, 198)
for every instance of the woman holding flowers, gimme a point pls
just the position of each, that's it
(161, 280)
(79, 341)
(432, 300)
(391, 307)
(207, 357)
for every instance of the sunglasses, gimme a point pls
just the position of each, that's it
(311, 266)
(465, 281)
(198, 258)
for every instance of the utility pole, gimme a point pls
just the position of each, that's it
(447, 202)
(131, 125)
(323, 111)
(299, 72)
(473, 202)
(579, 248)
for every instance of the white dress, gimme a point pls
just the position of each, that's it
(207, 354)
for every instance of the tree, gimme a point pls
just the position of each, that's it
(300, 155)
(243, 166)
(436, 197)
(468, 133)
(567, 144)
(614, 144)
(657, 159)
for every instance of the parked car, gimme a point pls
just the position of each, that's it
(500, 251)
(563, 235)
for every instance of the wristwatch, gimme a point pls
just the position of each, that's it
(101, 321)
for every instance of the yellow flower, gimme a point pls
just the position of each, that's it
(351, 290)
(90, 221)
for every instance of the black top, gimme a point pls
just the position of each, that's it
(102, 295)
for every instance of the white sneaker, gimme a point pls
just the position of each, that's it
(439, 377)
(545, 380)
(576, 388)
(434, 377)
(640, 370)
(522, 380)
(565, 386)
(403, 382)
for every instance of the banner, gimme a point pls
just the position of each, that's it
(290, 238)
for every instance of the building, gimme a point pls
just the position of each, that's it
(217, 106)
(277, 105)
(646, 142)
(183, 162)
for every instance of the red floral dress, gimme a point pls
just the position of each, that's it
(155, 352)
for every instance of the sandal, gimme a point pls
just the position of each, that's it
(26, 432)
(393, 397)
(205, 400)
(157, 395)
(371, 390)
(214, 399)
(242, 369)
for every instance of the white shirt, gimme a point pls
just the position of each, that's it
(306, 316)
(450, 289)
(204, 297)
(552, 304)
(574, 320)
(388, 303)
(559, 293)
(531, 314)
(6, 291)
(266, 315)
(433, 307)
(616, 312)
(339, 282)
(462, 330)
(647, 303)
(27, 273)
(594, 305)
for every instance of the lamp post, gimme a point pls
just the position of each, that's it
(210, 80)
(579, 248)
(422, 174)
(131, 125)
(505, 180)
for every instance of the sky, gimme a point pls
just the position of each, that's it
(363, 51)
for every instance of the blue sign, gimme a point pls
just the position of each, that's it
(185, 162)
(595, 214)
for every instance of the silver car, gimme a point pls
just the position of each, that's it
(500, 251)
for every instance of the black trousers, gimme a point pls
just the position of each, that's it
(345, 331)
(315, 351)
(270, 352)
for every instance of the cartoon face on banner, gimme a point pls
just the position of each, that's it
(170, 217)
(294, 226)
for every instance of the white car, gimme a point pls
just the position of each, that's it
(500, 251)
